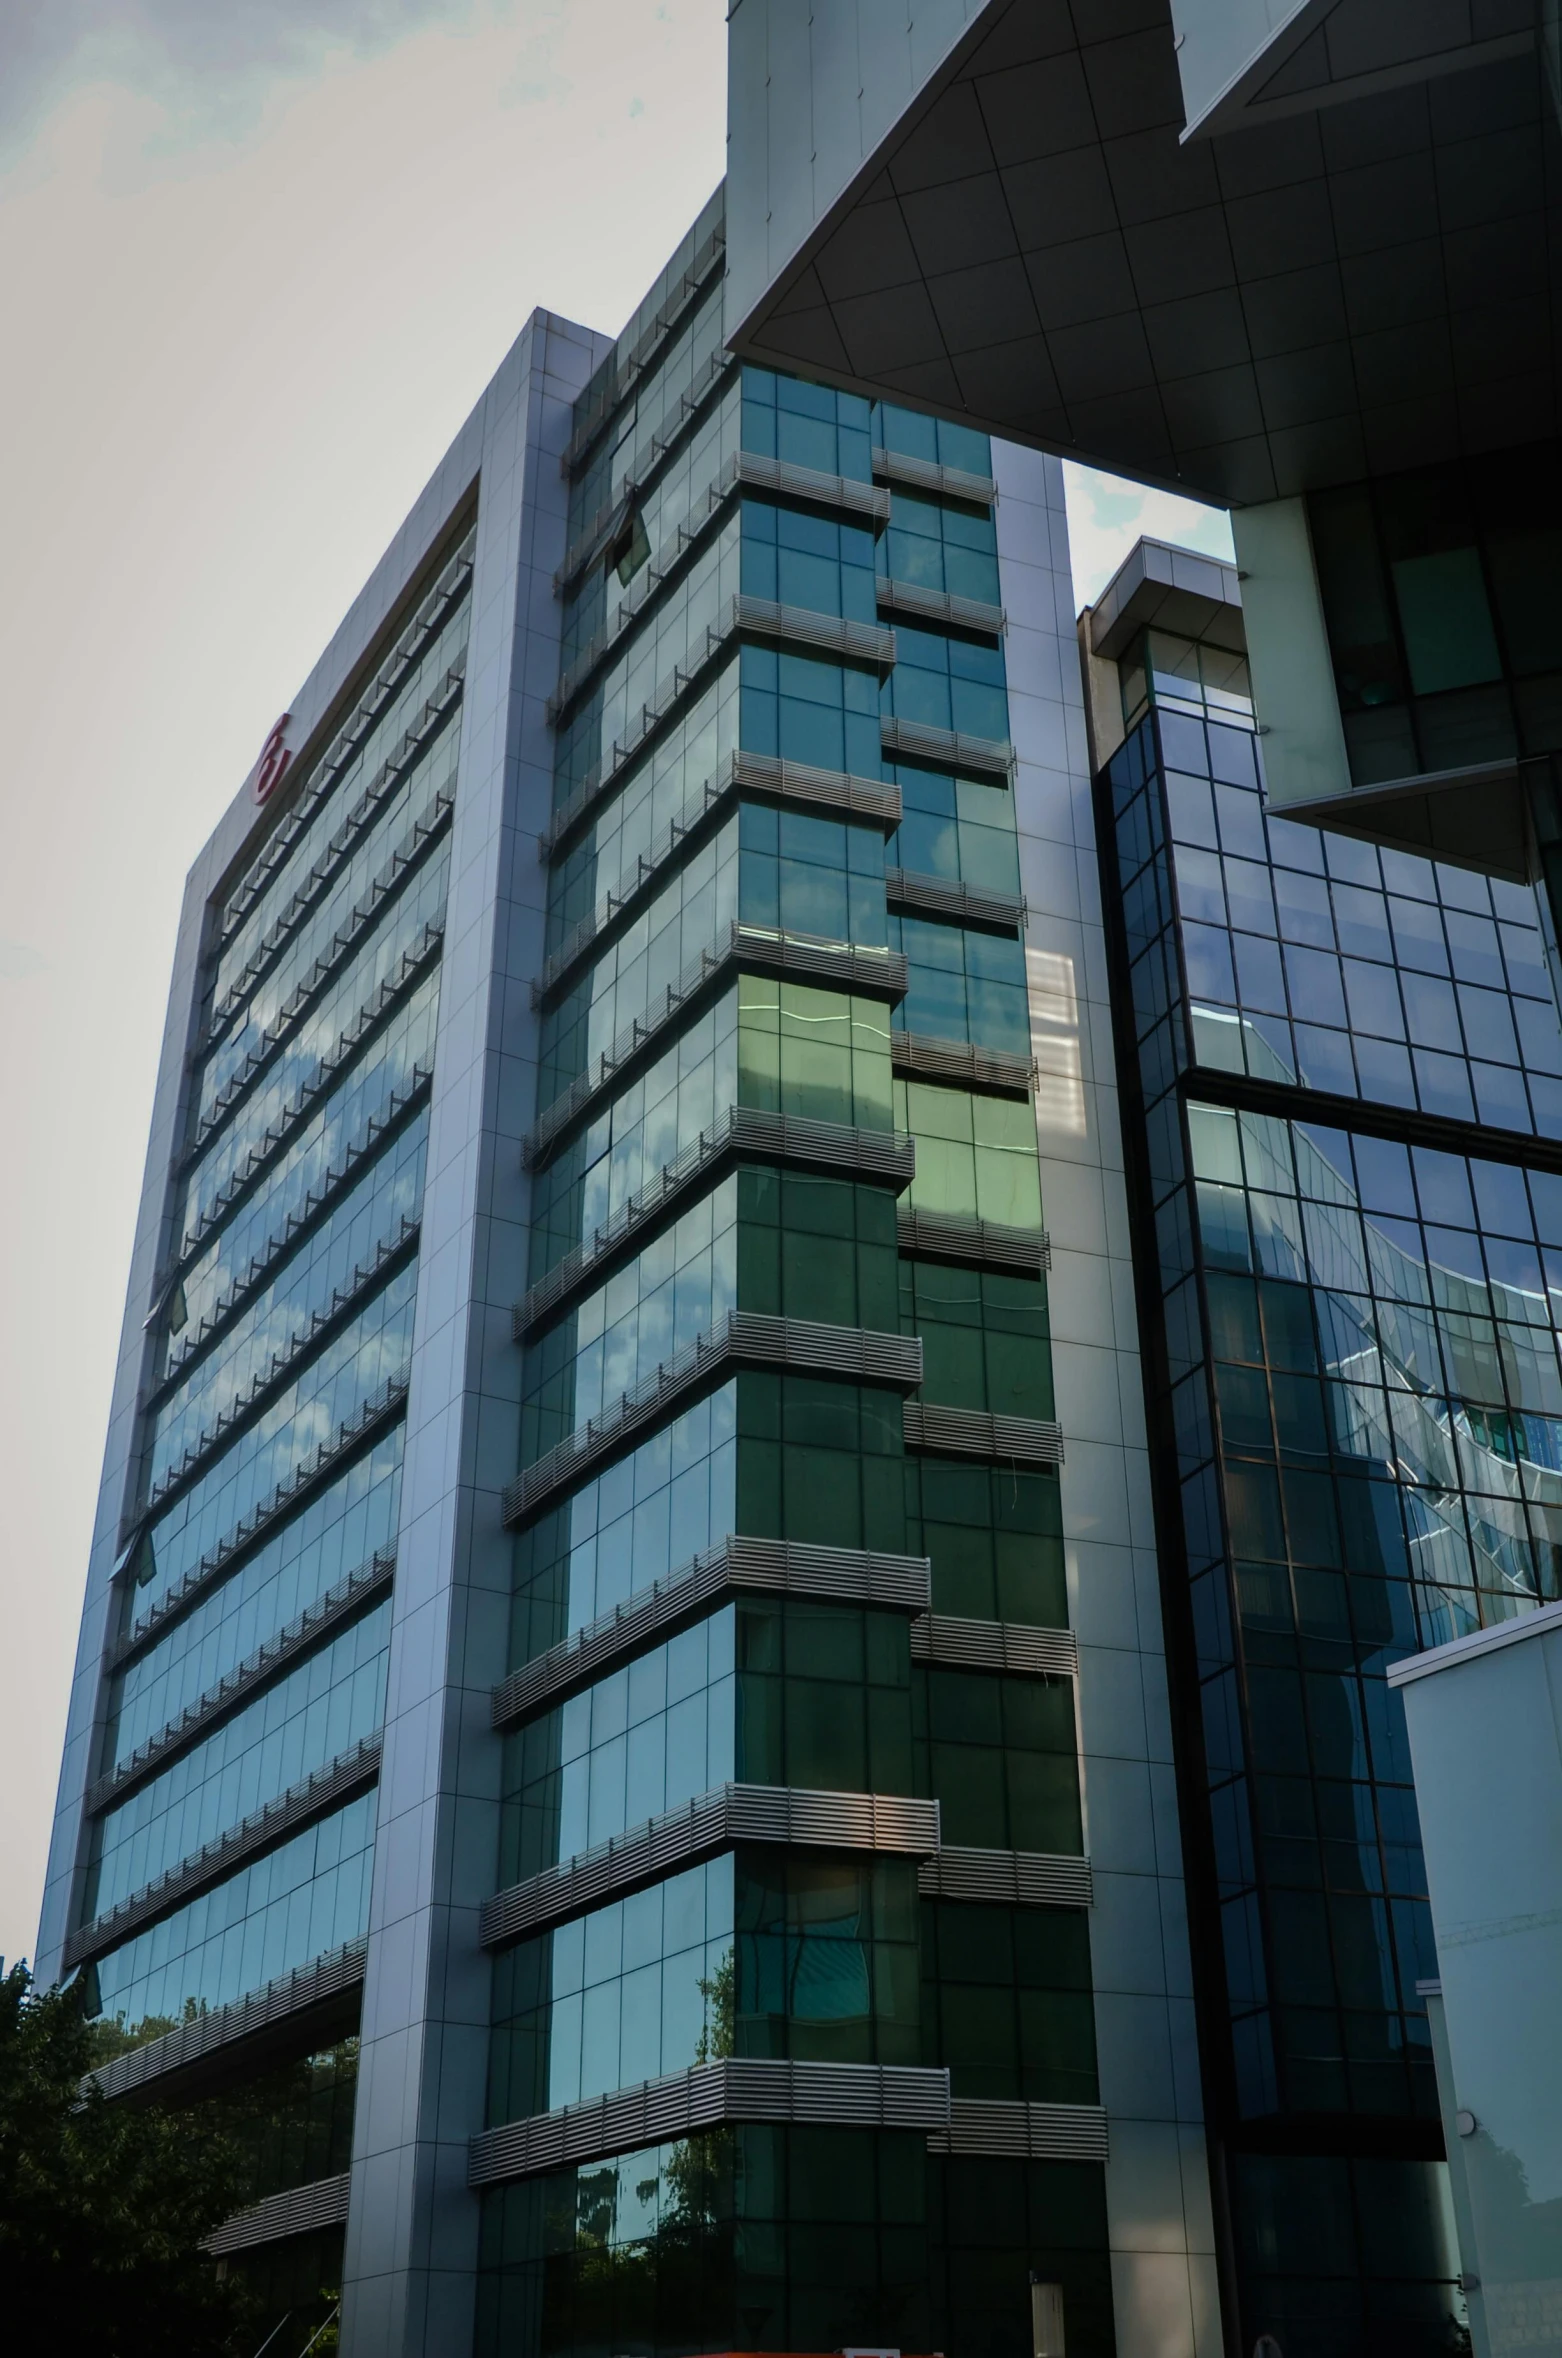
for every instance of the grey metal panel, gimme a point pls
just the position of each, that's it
(411, 2249)
(297, 2212)
(995, 1645)
(1007, 1878)
(709, 1824)
(351, 1772)
(305, 1630)
(742, 1339)
(940, 262)
(1174, 589)
(775, 1567)
(298, 1992)
(1027, 2132)
(863, 2095)
(743, 1130)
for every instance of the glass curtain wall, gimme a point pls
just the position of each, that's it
(757, 909)
(1342, 1065)
(230, 1828)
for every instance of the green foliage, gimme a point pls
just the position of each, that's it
(103, 2206)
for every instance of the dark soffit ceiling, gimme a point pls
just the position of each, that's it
(1354, 291)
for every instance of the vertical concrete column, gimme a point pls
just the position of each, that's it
(412, 2228)
(1158, 2201)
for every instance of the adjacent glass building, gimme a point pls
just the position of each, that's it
(1342, 1063)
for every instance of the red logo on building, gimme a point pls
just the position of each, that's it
(274, 759)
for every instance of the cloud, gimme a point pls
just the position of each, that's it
(18, 959)
(209, 58)
(1106, 516)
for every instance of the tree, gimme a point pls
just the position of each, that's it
(103, 2206)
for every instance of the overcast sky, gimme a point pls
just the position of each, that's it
(256, 264)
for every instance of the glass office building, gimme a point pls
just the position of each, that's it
(1343, 1068)
(620, 1707)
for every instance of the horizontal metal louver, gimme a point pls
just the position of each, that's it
(711, 1823)
(950, 748)
(324, 2204)
(801, 626)
(930, 605)
(944, 1236)
(743, 1339)
(897, 466)
(939, 896)
(762, 473)
(773, 1567)
(865, 2095)
(995, 1645)
(920, 1057)
(1008, 1878)
(1028, 2132)
(743, 1130)
(972, 1432)
(306, 1987)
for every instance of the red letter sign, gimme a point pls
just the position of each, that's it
(274, 758)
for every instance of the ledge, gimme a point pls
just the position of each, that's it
(744, 1130)
(972, 1432)
(281, 2000)
(232, 1303)
(350, 1774)
(994, 1069)
(304, 1344)
(771, 1567)
(1019, 1646)
(938, 896)
(382, 1408)
(304, 1631)
(794, 783)
(872, 973)
(686, 290)
(983, 1244)
(942, 606)
(702, 1829)
(302, 2208)
(864, 2095)
(927, 475)
(1030, 2132)
(949, 748)
(431, 617)
(743, 1339)
(1007, 1878)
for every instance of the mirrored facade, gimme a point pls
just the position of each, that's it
(1339, 1059)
